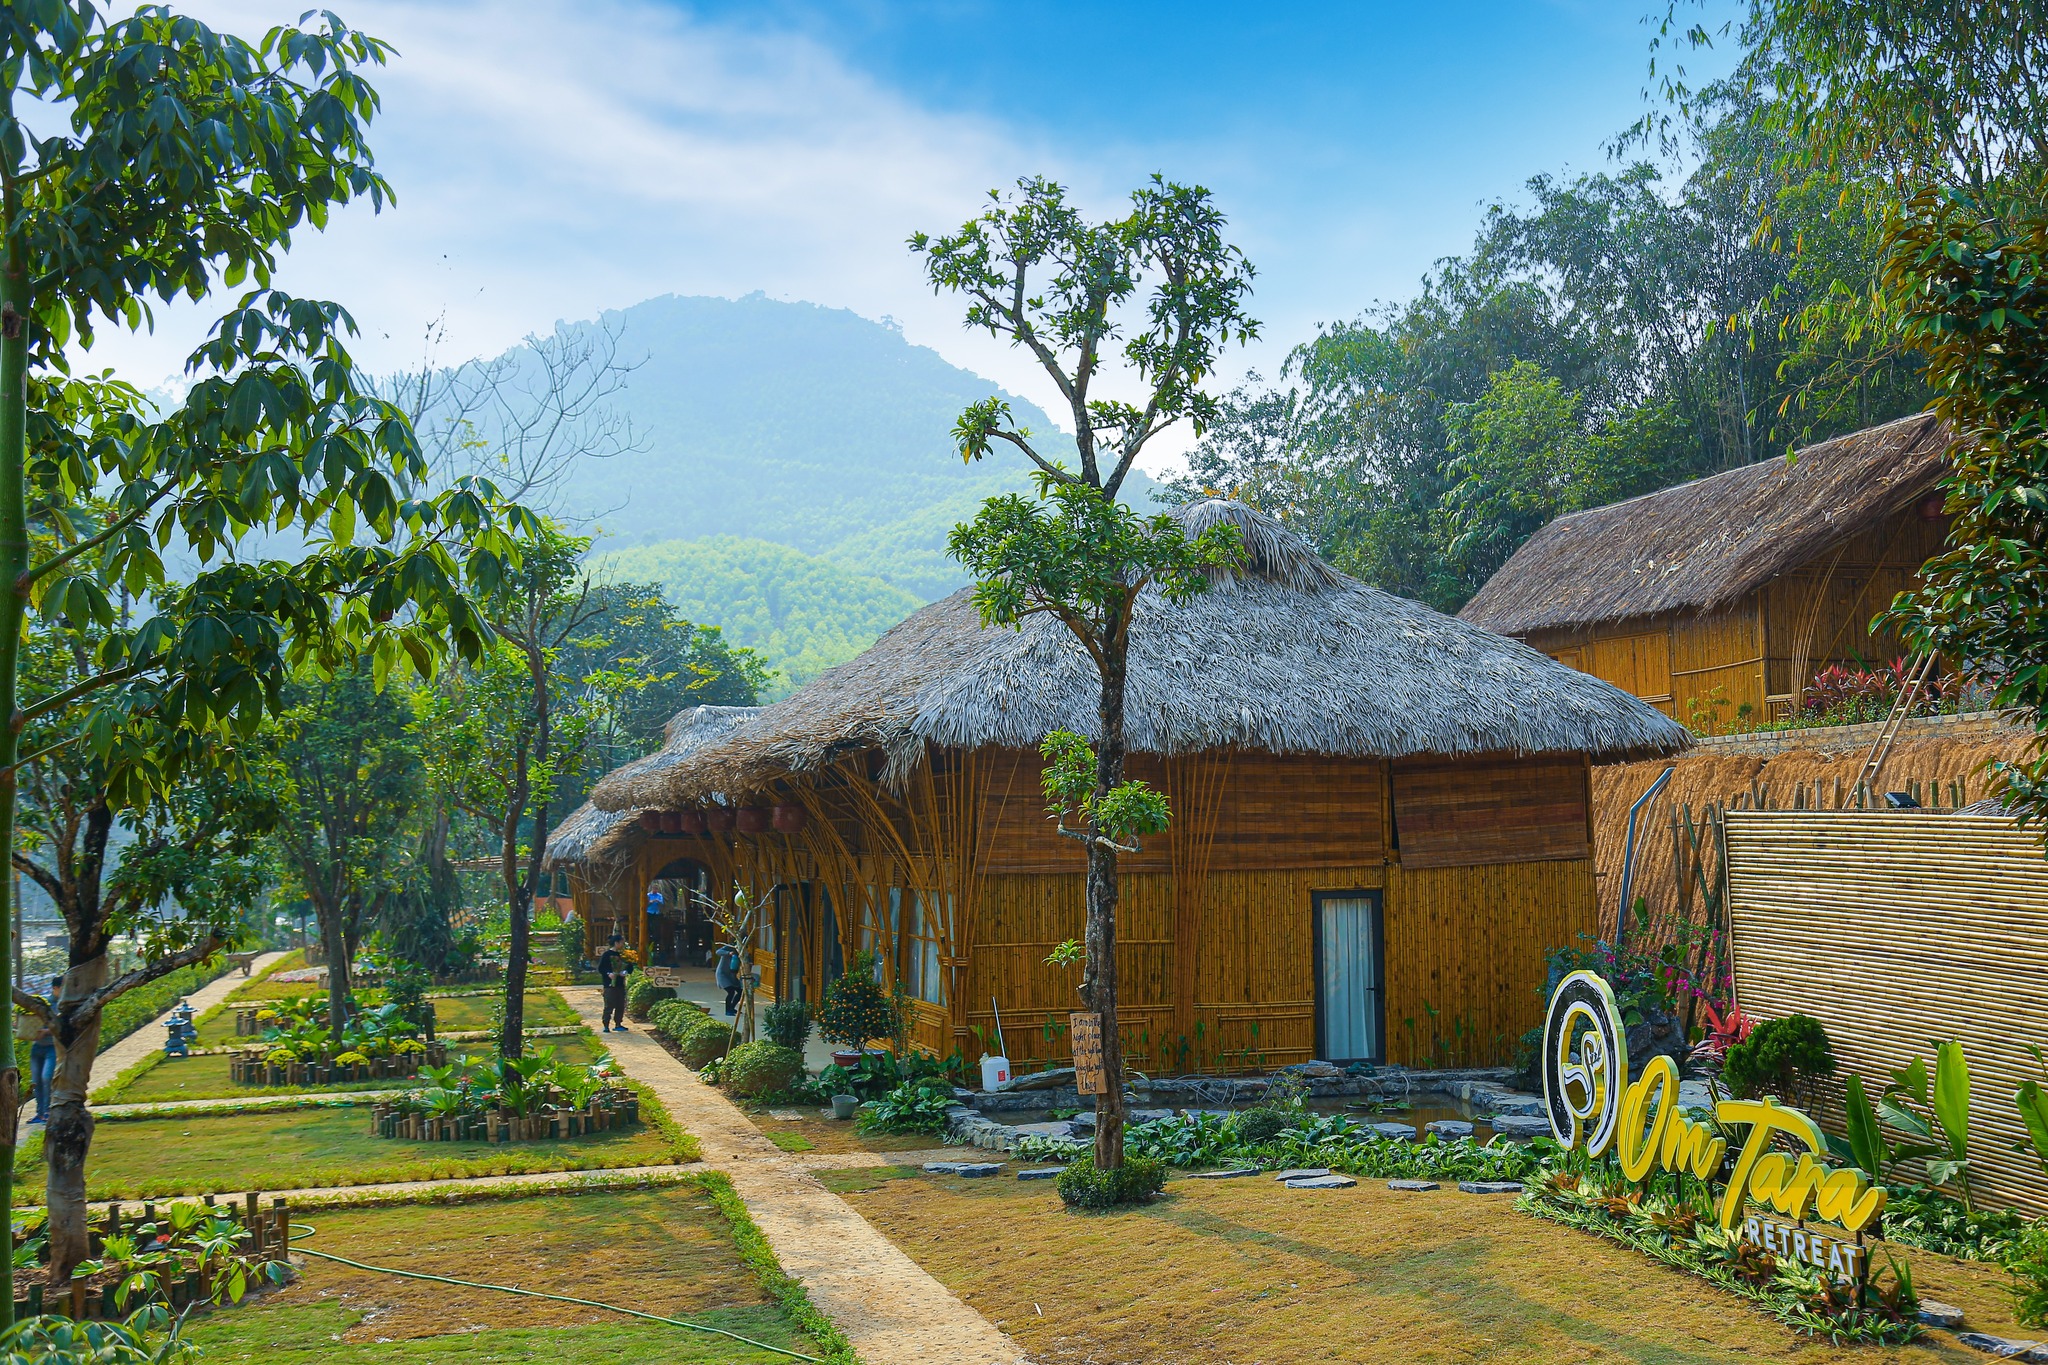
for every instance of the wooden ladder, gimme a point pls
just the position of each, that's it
(1881, 747)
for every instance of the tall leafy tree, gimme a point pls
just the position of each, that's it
(143, 158)
(1160, 291)
(349, 823)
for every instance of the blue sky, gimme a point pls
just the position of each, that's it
(556, 159)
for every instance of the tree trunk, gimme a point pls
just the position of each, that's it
(511, 1038)
(67, 1138)
(335, 941)
(1099, 981)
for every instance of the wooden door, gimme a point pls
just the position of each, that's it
(1350, 996)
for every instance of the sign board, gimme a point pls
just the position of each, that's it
(1592, 1103)
(671, 977)
(1085, 1032)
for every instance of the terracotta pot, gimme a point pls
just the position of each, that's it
(719, 819)
(848, 1059)
(752, 819)
(791, 819)
(693, 822)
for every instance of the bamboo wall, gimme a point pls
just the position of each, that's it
(1216, 959)
(1896, 931)
(1747, 661)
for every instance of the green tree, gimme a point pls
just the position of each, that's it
(1164, 283)
(1975, 286)
(350, 812)
(141, 159)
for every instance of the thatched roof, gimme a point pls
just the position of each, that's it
(593, 834)
(1708, 543)
(1286, 655)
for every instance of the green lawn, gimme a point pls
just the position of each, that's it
(284, 1149)
(204, 1078)
(668, 1252)
(544, 1009)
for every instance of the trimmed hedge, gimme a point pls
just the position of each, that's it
(760, 1068)
(705, 1042)
(1081, 1186)
(676, 1017)
(642, 995)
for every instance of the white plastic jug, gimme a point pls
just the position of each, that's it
(994, 1071)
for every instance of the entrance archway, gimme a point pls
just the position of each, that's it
(679, 928)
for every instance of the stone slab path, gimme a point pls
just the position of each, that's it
(891, 1311)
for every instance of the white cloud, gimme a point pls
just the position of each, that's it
(552, 161)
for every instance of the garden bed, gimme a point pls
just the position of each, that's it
(321, 1144)
(672, 1252)
(159, 1079)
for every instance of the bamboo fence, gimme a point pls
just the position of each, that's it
(1898, 931)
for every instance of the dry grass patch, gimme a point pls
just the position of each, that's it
(834, 1135)
(1238, 1271)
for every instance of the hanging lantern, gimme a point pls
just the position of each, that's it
(753, 819)
(719, 819)
(693, 822)
(791, 819)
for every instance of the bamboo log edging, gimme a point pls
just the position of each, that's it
(1898, 930)
(252, 1066)
(266, 1238)
(603, 1112)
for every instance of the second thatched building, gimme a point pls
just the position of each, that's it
(1381, 822)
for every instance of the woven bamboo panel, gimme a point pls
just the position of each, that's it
(1898, 931)
(1465, 812)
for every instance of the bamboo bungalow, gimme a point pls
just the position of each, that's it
(1380, 821)
(1716, 601)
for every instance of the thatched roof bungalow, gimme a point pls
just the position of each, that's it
(1381, 820)
(1717, 600)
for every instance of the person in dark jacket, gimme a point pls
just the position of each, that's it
(612, 966)
(728, 976)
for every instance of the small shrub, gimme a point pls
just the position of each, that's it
(1257, 1126)
(704, 1042)
(760, 1068)
(1781, 1057)
(857, 1009)
(676, 1017)
(913, 1107)
(642, 995)
(788, 1023)
(1081, 1186)
(2026, 1260)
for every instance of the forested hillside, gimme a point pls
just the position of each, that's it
(802, 612)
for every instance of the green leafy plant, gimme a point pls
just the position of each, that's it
(788, 1023)
(1869, 1145)
(674, 1018)
(1782, 1057)
(913, 1107)
(1135, 1181)
(760, 1068)
(704, 1042)
(2026, 1260)
(857, 1009)
(1936, 1116)
(642, 995)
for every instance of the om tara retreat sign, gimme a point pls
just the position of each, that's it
(1770, 1196)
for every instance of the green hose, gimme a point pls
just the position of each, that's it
(303, 1230)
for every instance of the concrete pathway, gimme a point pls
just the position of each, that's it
(889, 1308)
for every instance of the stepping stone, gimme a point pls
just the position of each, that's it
(977, 1170)
(1490, 1186)
(1516, 1103)
(1322, 1182)
(1414, 1186)
(1058, 1129)
(1049, 1173)
(786, 1115)
(1937, 1314)
(1451, 1128)
(2003, 1347)
(1400, 1132)
(1518, 1126)
(1231, 1174)
(1306, 1173)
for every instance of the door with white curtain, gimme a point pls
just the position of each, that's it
(1350, 1009)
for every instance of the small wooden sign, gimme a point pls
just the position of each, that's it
(671, 977)
(1084, 1031)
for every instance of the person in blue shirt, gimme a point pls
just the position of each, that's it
(42, 1060)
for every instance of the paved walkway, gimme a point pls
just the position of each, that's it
(889, 1308)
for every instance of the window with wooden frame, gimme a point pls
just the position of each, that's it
(923, 951)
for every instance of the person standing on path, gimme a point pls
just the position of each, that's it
(727, 976)
(612, 966)
(42, 1061)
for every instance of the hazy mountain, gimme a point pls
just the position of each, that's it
(794, 476)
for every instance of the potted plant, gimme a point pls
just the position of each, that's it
(856, 1008)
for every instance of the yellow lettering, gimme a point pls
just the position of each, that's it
(1766, 1119)
(1637, 1147)
(1797, 1192)
(1845, 1198)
